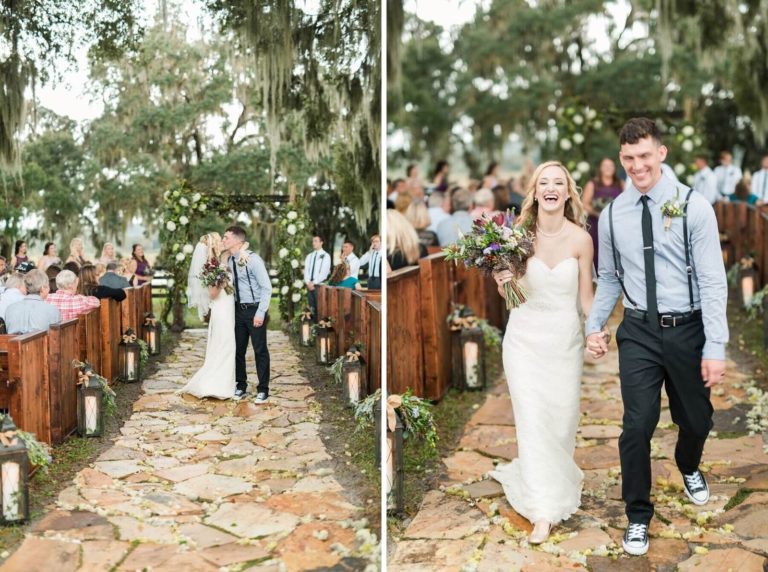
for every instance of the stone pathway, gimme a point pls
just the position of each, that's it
(207, 485)
(467, 524)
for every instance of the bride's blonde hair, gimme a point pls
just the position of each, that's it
(213, 241)
(574, 209)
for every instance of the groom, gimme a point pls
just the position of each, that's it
(674, 330)
(253, 290)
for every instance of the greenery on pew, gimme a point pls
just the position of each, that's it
(416, 414)
(143, 353)
(39, 454)
(364, 414)
(353, 354)
(755, 305)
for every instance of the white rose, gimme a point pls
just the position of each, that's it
(282, 253)
(687, 145)
(196, 197)
(202, 207)
(576, 175)
(301, 226)
(166, 194)
(689, 180)
(296, 297)
(565, 144)
(275, 282)
(297, 284)
(294, 264)
(180, 256)
(188, 249)
(591, 114)
(688, 130)
(284, 290)
(578, 119)
(597, 124)
(184, 202)
(583, 167)
(293, 215)
(679, 169)
(578, 138)
(291, 229)
(170, 225)
(183, 220)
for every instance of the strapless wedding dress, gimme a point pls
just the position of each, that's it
(543, 358)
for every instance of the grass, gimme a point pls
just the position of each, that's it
(746, 342)
(740, 496)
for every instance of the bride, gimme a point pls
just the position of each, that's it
(217, 376)
(543, 353)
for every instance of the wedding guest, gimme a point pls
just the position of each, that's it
(49, 257)
(728, 175)
(66, 298)
(398, 186)
(73, 267)
(128, 270)
(89, 285)
(372, 260)
(760, 182)
(448, 230)
(342, 277)
(483, 200)
(436, 210)
(32, 313)
(100, 269)
(317, 268)
(112, 279)
(402, 202)
(3, 266)
(403, 247)
(76, 252)
(143, 269)
(418, 215)
(597, 194)
(413, 184)
(14, 292)
(348, 255)
(501, 198)
(704, 181)
(742, 193)
(107, 254)
(491, 178)
(19, 254)
(52, 272)
(440, 176)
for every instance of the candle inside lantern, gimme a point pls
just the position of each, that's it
(91, 409)
(10, 484)
(305, 332)
(129, 365)
(151, 341)
(470, 364)
(323, 349)
(747, 288)
(353, 384)
(389, 455)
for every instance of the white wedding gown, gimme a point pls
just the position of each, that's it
(543, 358)
(217, 376)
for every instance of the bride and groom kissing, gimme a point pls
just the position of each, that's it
(659, 247)
(238, 302)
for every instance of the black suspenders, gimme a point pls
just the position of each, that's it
(619, 269)
(248, 276)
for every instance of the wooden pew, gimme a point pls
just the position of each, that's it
(374, 344)
(129, 311)
(63, 348)
(89, 333)
(435, 287)
(360, 315)
(405, 357)
(341, 305)
(110, 338)
(479, 292)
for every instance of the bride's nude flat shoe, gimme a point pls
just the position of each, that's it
(540, 532)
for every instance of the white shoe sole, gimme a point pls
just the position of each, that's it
(259, 401)
(635, 551)
(238, 397)
(693, 500)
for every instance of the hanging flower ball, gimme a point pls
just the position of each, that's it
(196, 197)
(203, 207)
(184, 202)
(578, 138)
(687, 145)
(188, 249)
(183, 220)
(296, 297)
(583, 167)
(565, 144)
(294, 264)
(170, 225)
(284, 290)
(688, 130)
(283, 252)
(578, 119)
(180, 257)
(679, 169)
(291, 229)
(293, 215)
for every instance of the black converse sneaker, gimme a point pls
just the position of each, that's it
(696, 488)
(635, 541)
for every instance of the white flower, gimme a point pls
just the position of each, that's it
(583, 167)
(687, 145)
(576, 175)
(275, 282)
(183, 220)
(689, 180)
(679, 169)
(301, 225)
(578, 138)
(284, 290)
(196, 197)
(565, 144)
(597, 124)
(578, 119)
(188, 249)
(170, 225)
(291, 229)
(180, 256)
(184, 202)
(166, 194)
(294, 264)
(283, 252)
(297, 284)
(296, 297)
(591, 114)
(202, 207)
(293, 215)
(688, 130)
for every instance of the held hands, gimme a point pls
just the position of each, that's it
(712, 371)
(258, 322)
(597, 344)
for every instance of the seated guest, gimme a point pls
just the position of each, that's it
(742, 193)
(53, 272)
(501, 199)
(403, 247)
(418, 215)
(73, 267)
(128, 270)
(20, 254)
(112, 279)
(402, 202)
(13, 292)
(89, 285)
(143, 270)
(32, 314)
(342, 277)
(3, 266)
(100, 269)
(436, 210)
(49, 257)
(484, 201)
(76, 252)
(67, 300)
(460, 220)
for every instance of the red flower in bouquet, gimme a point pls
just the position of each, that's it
(213, 275)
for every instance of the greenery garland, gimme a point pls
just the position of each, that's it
(107, 393)
(292, 243)
(417, 417)
(143, 353)
(336, 369)
(39, 454)
(364, 410)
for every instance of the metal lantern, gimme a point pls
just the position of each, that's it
(90, 404)
(467, 353)
(305, 331)
(152, 333)
(392, 457)
(353, 377)
(129, 353)
(14, 474)
(325, 342)
(747, 279)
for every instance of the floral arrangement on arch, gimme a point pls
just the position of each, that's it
(291, 245)
(683, 142)
(576, 126)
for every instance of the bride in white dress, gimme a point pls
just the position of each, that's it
(217, 376)
(543, 352)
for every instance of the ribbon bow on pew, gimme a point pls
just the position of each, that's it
(325, 323)
(129, 337)
(467, 322)
(353, 354)
(393, 403)
(8, 438)
(150, 320)
(306, 315)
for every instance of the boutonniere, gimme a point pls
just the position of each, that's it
(322, 255)
(242, 260)
(673, 208)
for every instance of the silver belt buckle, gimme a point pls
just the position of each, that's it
(672, 325)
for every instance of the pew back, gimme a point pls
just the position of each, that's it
(63, 348)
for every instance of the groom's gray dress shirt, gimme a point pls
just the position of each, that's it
(259, 290)
(710, 289)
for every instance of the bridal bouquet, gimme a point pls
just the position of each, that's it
(495, 245)
(213, 275)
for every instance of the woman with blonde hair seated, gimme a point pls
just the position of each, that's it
(403, 246)
(418, 215)
(342, 277)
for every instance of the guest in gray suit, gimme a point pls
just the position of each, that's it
(113, 280)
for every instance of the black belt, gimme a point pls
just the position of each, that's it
(666, 320)
(244, 306)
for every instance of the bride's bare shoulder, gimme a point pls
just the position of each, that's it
(579, 237)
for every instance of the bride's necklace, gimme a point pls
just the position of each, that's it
(551, 234)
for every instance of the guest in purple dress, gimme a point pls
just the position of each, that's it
(143, 269)
(19, 254)
(597, 194)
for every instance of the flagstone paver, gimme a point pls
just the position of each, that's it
(467, 525)
(207, 485)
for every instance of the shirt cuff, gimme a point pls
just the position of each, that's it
(261, 314)
(592, 327)
(713, 350)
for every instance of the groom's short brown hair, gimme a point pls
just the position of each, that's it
(639, 128)
(237, 231)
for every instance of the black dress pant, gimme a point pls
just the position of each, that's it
(312, 299)
(650, 357)
(244, 331)
(374, 283)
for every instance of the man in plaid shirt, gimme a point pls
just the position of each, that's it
(66, 299)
